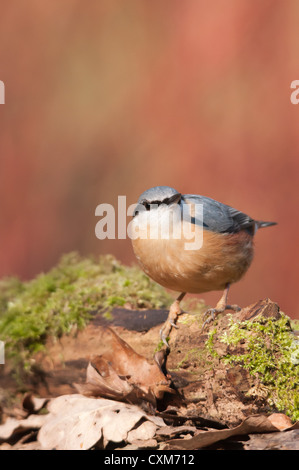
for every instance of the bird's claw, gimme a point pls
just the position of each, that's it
(164, 336)
(211, 314)
(173, 324)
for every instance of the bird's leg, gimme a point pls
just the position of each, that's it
(220, 307)
(170, 323)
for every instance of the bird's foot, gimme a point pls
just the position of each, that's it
(211, 313)
(170, 323)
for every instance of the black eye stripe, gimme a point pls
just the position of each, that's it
(148, 205)
(155, 203)
(166, 201)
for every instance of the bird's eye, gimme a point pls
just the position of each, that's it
(147, 206)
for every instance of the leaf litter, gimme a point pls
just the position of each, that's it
(116, 407)
(122, 374)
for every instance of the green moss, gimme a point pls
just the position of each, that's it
(270, 351)
(210, 342)
(63, 300)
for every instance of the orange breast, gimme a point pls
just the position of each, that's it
(222, 258)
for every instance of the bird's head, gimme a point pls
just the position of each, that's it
(155, 198)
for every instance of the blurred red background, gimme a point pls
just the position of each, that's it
(109, 98)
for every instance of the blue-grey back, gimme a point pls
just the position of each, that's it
(219, 217)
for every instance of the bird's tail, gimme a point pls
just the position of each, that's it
(261, 224)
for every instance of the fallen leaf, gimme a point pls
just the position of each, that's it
(280, 421)
(252, 424)
(122, 374)
(144, 432)
(288, 440)
(13, 426)
(103, 381)
(76, 422)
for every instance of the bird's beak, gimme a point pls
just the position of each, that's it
(175, 199)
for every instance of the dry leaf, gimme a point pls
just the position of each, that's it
(13, 425)
(103, 381)
(280, 421)
(76, 422)
(122, 374)
(252, 424)
(144, 432)
(288, 440)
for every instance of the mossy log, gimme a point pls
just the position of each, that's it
(241, 364)
(245, 363)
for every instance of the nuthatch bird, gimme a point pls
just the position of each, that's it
(164, 222)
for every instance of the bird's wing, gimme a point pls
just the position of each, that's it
(218, 217)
